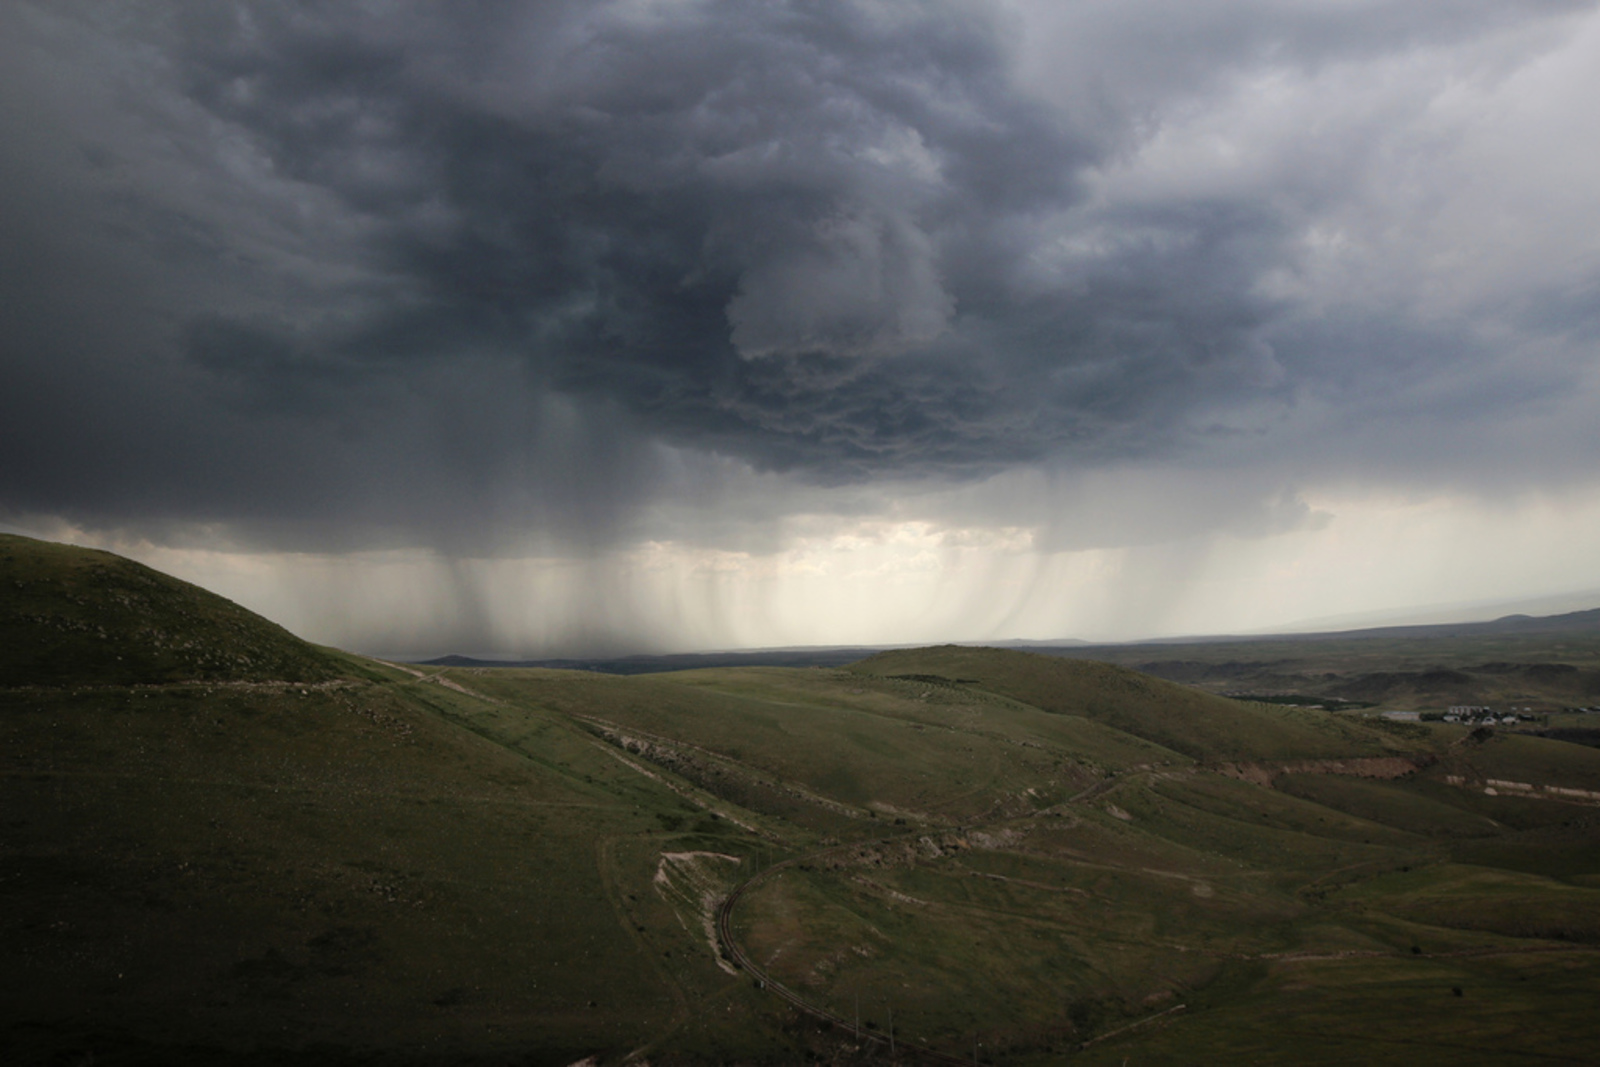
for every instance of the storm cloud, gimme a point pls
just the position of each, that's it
(480, 277)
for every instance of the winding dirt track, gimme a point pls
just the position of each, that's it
(901, 1049)
(724, 924)
(737, 954)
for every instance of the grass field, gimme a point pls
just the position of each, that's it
(1001, 856)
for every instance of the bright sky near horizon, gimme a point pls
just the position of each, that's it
(547, 328)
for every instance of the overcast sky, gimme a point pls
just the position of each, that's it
(538, 328)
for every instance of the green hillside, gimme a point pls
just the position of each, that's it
(828, 748)
(1199, 725)
(1001, 862)
(223, 844)
(999, 856)
(77, 616)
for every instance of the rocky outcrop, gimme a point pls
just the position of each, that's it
(1363, 767)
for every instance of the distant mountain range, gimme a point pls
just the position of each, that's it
(1569, 622)
(686, 661)
(837, 656)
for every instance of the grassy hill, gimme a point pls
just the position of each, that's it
(223, 844)
(1001, 856)
(77, 616)
(1196, 724)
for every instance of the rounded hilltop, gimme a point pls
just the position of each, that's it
(80, 616)
(1186, 721)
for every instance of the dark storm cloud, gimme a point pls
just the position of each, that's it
(334, 274)
(731, 221)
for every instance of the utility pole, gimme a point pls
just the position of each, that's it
(858, 1018)
(891, 1031)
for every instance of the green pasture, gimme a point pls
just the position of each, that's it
(1512, 1007)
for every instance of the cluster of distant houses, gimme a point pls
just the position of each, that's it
(1482, 715)
(1471, 714)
